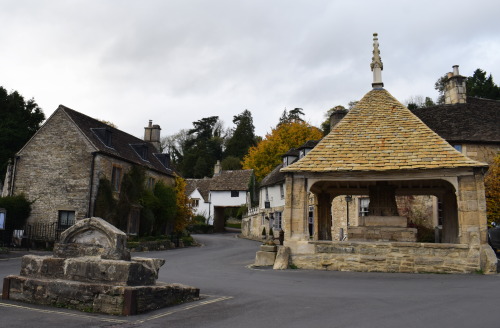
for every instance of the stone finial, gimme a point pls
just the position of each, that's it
(376, 64)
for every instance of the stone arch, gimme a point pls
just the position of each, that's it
(327, 190)
(93, 237)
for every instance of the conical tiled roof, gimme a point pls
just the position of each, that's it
(380, 134)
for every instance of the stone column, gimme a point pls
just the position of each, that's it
(295, 212)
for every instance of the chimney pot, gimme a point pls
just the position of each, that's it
(455, 70)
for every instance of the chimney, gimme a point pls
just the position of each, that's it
(337, 115)
(454, 89)
(217, 168)
(152, 135)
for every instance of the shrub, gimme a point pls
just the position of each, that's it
(18, 211)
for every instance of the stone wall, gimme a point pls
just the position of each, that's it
(481, 152)
(103, 168)
(54, 174)
(393, 257)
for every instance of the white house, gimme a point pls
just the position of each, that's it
(211, 196)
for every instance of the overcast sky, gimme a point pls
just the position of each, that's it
(177, 61)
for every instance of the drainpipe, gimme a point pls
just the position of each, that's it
(92, 165)
(13, 178)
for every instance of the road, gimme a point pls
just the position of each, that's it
(238, 296)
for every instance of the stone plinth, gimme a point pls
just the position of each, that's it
(266, 255)
(382, 221)
(381, 234)
(92, 271)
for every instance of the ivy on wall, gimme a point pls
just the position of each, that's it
(162, 210)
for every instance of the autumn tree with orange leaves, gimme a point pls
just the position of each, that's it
(264, 157)
(184, 211)
(492, 186)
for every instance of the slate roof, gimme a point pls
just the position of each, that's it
(274, 177)
(203, 186)
(122, 144)
(380, 134)
(309, 144)
(225, 181)
(476, 121)
(231, 180)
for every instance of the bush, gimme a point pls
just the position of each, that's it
(200, 228)
(18, 211)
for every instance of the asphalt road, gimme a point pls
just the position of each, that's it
(238, 296)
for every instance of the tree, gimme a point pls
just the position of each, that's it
(19, 120)
(478, 85)
(184, 212)
(492, 188)
(203, 148)
(243, 136)
(293, 116)
(415, 102)
(325, 126)
(264, 157)
(440, 87)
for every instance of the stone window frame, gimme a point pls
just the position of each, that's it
(64, 217)
(116, 177)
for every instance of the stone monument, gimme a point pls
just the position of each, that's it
(91, 270)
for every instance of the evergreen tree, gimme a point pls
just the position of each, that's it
(478, 85)
(203, 149)
(19, 120)
(243, 136)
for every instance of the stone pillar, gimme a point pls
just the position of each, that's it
(472, 208)
(295, 212)
(450, 219)
(324, 216)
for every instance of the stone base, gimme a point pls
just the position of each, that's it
(383, 221)
(263, 258)
(95, 297)
(381, 234)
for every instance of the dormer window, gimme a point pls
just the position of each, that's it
(104, 135)
(164, 159)
(141, 150)
(302, 153)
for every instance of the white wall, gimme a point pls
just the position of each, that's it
(203, 207)
(274, 196)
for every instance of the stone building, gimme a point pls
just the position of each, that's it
(381, 150)
(470, 124)
(59, 168)
(269, 212)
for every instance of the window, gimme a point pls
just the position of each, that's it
(66, 219)
(116, 178)
(458, 147)
(195, 202)
(151, 183)
(277, 221)
(363, 206)
(282, 191)
(235, 193)
(133, 220)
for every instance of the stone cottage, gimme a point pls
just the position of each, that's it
(59, 168)
(382, 150)
(226, 189)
